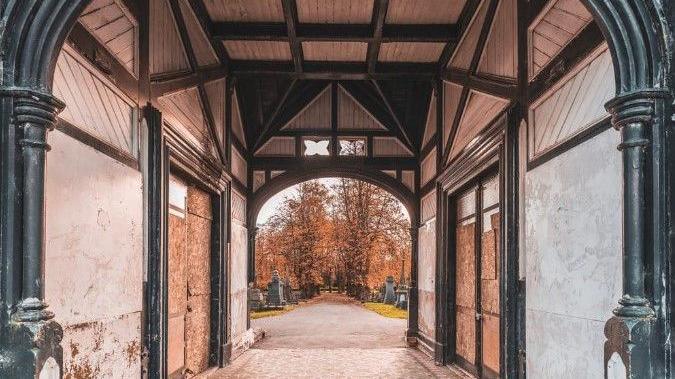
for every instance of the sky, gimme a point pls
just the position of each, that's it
(273, 204)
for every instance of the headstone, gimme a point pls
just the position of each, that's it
(402, 298)
(255, 298)
(275, 291)
(389, 295)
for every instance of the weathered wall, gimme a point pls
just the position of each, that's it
(94, 259)
(239, 276)
(573, 247)
(426, 269)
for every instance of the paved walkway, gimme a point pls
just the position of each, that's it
(332, 337)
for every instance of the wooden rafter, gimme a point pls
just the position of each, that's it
(334, 70)
(499, 88)
(470, 9)
(291, 16)
(401, 129)
(377, 25)
(274, 31)
(298, 96)
(192, 59)
(199, 10)
(480, 45)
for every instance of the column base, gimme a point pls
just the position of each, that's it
(31, 349)
(628, 352)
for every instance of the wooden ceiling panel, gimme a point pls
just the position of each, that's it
(430, 125)
(461, 58)
(277, 147)
(245, 10)
(555, 27)
(424, 12)
(258, 50)
(390, 147)
(316, 115)
(200, 44)
(500, 56)
(353, 116)
(166, 49)
(334, 51)
(114, 27)
(335, 12)
(479, 112)
(420, 52)
(237, 124)
(215, 93)
(451, 96)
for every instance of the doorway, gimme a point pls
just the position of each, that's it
(190, 228)
(477, 303)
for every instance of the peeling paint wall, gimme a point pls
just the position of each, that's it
(426, 274)
(94, 259)
(239, 276)
(573, 266)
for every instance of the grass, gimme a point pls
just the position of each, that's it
(386, 310)
(271, 313)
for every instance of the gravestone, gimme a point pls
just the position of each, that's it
(275, 291)
(389, 294)
(402, 297)
(255, 298)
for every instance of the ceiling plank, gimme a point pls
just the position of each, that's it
(199, 10)
(294, 101)
(206, 106)
(470, 9)
(379, 17)
(271, 31)
(371, 101)
(291, 16)
(480, 45)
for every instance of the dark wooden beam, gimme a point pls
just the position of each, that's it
(339, 133)
(277, 109)
(504, 89)
(288, 163)
(480, 45)
(401, 129)
(192, 59)
(588, 40)
(372, 101)
(274, 31)
(377, 23)
(334, 70)
(291, 17)
(166, 85)
(465, 17)
(534, 8)
(294, 102)
(202, 15)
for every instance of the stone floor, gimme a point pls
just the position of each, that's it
(332, 337)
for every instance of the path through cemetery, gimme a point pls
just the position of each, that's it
(332, 337)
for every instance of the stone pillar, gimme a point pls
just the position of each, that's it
(34, 338)
(630, 332)
(413, 317)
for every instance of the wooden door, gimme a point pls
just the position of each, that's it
(477, 333)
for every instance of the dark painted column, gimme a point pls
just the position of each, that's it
(413, 307)
(252, 233)
(631, 332)
(30, 336)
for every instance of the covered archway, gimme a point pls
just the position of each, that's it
(639, 40)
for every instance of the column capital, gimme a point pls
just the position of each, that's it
(634, 107)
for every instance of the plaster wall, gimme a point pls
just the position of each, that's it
(573, 266)
(239, 287)
(426, 275)
(94, 259)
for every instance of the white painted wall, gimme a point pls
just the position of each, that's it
(94, 258)
(573, 266)
(426, 278)
(241, 340)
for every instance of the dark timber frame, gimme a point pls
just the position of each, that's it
(639, 34)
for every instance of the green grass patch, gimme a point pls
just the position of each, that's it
(386, 310)
(271, 313)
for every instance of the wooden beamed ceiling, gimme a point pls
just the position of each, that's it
(385, 54)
